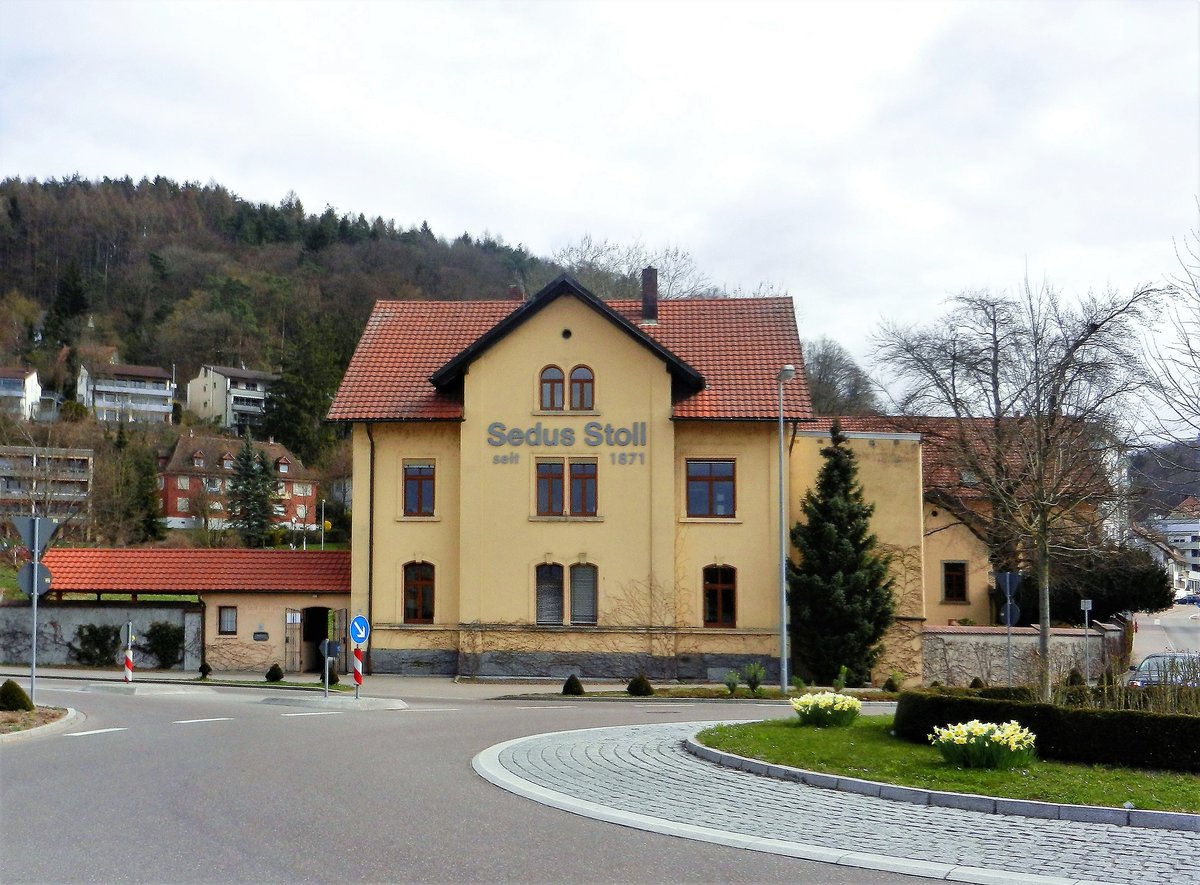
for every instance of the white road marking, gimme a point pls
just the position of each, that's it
(67, 690)
(668, 707)
(315, 713)
(193, 721)
(430, 710)
(75, 734)
(548, 707)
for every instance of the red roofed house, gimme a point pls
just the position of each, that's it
(260, 606)
(194, 482)
(571, 485)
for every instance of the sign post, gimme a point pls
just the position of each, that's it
(360, 629)
(1086, 606)
(1010, 612)
(34, 578)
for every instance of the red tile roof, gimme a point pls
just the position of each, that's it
(167, 570)
(737, 345)
(212, 448)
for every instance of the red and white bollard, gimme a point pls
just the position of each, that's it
(357, 666)
(129, 665)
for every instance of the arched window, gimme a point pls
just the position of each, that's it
(583, 593)
(550, 593)
(550, 385)
(720, 596)
(582, 388)
(418, 593)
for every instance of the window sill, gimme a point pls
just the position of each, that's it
(418, 519)
(564, 413)
(956, 602)
(566, 519)
(712, 520)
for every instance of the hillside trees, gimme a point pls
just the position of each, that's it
(1042, 394)
(296, 406)
(840, 591)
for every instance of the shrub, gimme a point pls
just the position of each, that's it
(1131, 738)
(977, 683)
(978, 744)
(799, 684)
(894, 681)
(333, 677)
(827, 709)
(1075, 677)
(572, 686)
(839, 684)
(640, 687)
(13, 697)
(96, 645)
(205, 669)
(754, 673)
(275, 673)
(732, 679)
(164, 640)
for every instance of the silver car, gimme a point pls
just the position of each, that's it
(1169, 668)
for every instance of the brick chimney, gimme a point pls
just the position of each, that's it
(650, 295)
(515, 293)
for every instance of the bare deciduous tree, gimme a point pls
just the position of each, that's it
(1041, 396)
(837, 384)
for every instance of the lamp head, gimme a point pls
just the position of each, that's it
(787, 373)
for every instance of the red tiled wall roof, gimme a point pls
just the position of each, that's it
(163, 570)
(737, 344)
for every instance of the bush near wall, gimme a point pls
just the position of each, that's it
(1130, 738)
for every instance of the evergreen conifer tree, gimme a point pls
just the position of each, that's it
(252, 495)
(841, 590)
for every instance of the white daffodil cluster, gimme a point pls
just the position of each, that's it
(827, 708)
(978, 744)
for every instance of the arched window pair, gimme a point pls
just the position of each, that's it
(582, 595)
(553, 395)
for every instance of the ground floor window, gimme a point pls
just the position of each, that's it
(418, 593)
(720, 596)
(227, 620)
(583, 593)
(550, 593)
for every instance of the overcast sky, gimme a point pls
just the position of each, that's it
(868, 158)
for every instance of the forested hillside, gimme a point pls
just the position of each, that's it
(184, 274)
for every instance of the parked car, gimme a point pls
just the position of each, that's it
(1188, 599)
(1169, 668)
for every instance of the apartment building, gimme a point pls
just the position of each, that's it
(20, 393)
(46, 482)
(235, 398)
(114, 392)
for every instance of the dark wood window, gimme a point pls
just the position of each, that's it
(551, 389)
(710, 489)
(227, 620)
(583, 593)
(954, 582)
(418, 489)
(720, 596)
(550, 593)
(582, 387)
(550, 488)
(583, 488)
(418, 593)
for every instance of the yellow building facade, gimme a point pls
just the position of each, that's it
(565, 485)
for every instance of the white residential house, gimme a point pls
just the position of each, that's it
(20, 393)
(235, 398)
(1178, 542)
(126, 393)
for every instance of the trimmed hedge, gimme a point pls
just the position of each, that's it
(1129, 738)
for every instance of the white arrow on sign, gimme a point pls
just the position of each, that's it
(360, 629)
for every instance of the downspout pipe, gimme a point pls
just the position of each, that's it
(370, 547)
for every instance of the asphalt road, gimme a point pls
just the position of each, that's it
(1177, 629)
(211, 785)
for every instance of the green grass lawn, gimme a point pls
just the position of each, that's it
(867, 750)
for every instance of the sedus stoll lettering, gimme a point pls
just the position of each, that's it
(593, 434)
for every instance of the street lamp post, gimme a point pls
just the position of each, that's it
(322, 523)
(785, 374)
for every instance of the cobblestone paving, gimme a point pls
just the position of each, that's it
(645, 770)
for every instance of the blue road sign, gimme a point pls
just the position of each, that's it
(1007, 583)
(1010, 613)
(359, 630)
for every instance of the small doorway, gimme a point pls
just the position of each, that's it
(316, 628)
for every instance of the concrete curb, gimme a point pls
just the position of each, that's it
(1159, 820)
(488, 766)
(71, 717)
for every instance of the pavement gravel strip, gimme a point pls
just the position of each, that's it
(641, 776)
